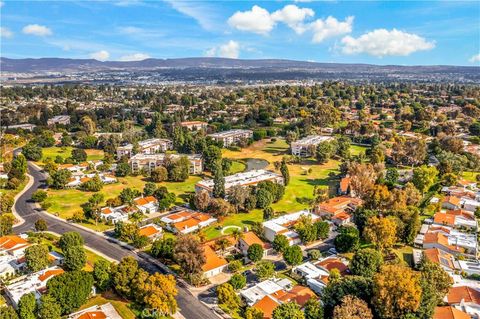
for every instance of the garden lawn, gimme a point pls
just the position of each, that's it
(357, 149)
(237, 167)
(120, 305)
(470, 176)
(64, 203)
(65, 152)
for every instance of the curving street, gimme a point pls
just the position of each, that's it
(189, 306)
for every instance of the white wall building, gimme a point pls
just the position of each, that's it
(150, 146)
(151, 161)
(59, 119)
(306, 146)
(232, 137)
(283, 224)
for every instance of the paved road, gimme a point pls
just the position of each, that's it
(190, 307)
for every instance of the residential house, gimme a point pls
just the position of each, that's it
(214, 264)
(306, 146)
(344, 186)
(449, 240)
(449, 312)
(147, 205)
(59, 119)
(150, 146)
(149, 162)
(316, 277)
(151, 231)
(79, 178)
(36, 283)
(116, 214)
(232, 137)
(250, 178)
(248, 239)
(456, 218)
(284, 225)
(105, 311)
(187, 221)
(333, 262)
(464, 298)
(338, 209)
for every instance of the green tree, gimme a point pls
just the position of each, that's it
(280, 243)
(424, 177)
(149, 189)
(163, 248)
(74, 258)
(211, 157)
(352, 308)
(227, 297)
(32, 152)
(122, 170)
(313, 309)
(265, 269)
(70, 289)
(336, 289)
(253, 313)
(159, 174)
(8, 312)
(348, 239)
(238, 281)
(70, 239)
(366, 262)
(39, 196)
(79, 155)
(27, 306)
(268, 213)
(179, 170)
(288, 310)
(322, 229)
(59, 179)
(94, 184)
(285, 172)
(255, 252)
(189, 254)
(49, 308)
(18, 168)
(41, 225)
(324, 152)
(124, 275)
(6, 224)
(293, 255)
(36, 257)
(102, 274)
(218, 184)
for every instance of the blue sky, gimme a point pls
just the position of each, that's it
(383, 32)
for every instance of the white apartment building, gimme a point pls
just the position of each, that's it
(59, 119)
(316, 277)
(151, 161)
(283, 224)
(306, 146)
(232, 137)
(25, 126)
(250, 178)
(150, 146)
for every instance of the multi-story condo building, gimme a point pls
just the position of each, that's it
(152, 161)
(250, 178)
(194, 125)
(59, 119)
(150, 146)
(232, 137)
(306, 146)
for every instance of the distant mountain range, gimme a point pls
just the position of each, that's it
(223, 67)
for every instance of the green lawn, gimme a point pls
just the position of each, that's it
(237, 167)
(470, 176)
(405, 254)
(121, 306)
(357, 149)
(65, 152)
(64, 203)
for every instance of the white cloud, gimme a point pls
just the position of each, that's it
(231, 50)
(102, 55)
(130, 30)
(293, 16)
(257, 20)
(5, 33)
(330, 27)
(475, 58)
(134, 57)
(382, 42)
(36, 29)
(205, 14)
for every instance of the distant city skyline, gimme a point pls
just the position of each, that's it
(389, 32)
